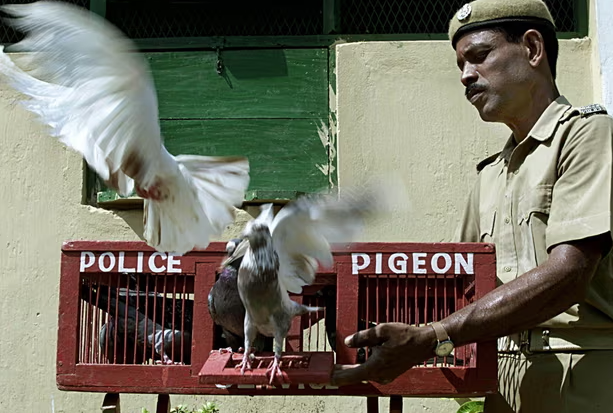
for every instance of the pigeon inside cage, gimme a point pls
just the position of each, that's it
(135, 319)
(141, 318)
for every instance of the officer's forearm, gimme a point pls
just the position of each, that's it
(532, 298)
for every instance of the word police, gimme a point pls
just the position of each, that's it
(120, 261)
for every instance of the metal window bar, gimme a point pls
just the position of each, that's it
(242, 18)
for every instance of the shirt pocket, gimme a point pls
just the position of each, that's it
(487, 220)
(533, 214)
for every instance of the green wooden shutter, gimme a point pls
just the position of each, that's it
(266, 104)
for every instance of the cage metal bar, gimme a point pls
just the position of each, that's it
(153, 322)
(387, 298)
(398, 308)
(135, 340)
(80, 328)
(306, 324)
(147, 282)
(116, 318)
(97, 320)
(408, 312)
(109, 321)
(377, 303)
(318, 323)
(174, 306)
(125, 330)
(425, 306)
(183, 296)
(367, 316)
(89, 322)
(435, 316)
(163, 324)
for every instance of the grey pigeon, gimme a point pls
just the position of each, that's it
(283, 254)
(225, 306)
(141, 332)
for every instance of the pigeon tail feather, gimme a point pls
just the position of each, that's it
(301, 309)
(196, 203)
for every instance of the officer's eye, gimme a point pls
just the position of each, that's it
(481, 56)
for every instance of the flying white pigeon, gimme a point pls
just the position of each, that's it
(283, 253)
(86, 81)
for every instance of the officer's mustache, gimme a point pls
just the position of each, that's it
(473, 89)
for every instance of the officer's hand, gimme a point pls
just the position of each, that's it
(396, 347)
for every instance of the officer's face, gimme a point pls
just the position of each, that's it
(496, 74)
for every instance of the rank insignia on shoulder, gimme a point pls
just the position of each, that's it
(588, 110)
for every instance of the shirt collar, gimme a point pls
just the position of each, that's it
(545, 126)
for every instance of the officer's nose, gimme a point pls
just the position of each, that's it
(469, 74)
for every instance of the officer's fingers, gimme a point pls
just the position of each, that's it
(346, 374)
(372, 370)
(371, 337)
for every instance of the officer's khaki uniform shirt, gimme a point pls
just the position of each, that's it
(553, 187)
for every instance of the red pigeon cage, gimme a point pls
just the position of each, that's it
(111, 291)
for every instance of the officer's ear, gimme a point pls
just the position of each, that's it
(535, 47)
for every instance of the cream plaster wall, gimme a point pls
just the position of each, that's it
(400, 107)
(603, 50)
(597, 32)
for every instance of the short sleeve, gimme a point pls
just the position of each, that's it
(581, 198)
(468, 229)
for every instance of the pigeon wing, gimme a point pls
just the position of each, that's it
(304, 229)
(88, 85)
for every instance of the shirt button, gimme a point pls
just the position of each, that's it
(507, 220)
(515, 172)
(507, 269)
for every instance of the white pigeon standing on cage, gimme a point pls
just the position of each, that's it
(284, 252)
(86, 81)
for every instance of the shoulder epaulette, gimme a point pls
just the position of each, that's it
(593, 109)
(583, 111)
(487, 161)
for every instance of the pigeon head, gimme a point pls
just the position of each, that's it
(232, 244)
(257, 231)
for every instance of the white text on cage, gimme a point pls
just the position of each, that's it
(413, 263)
(118, 261)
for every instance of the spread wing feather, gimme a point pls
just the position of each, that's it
(85, 81)
(304, 229)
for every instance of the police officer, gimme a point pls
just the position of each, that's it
(546, 202)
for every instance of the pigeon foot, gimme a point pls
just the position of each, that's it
(275, 370)
(245, 364)
(167, 361)
(155, 192)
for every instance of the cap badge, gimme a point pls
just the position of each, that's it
(464, 12)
